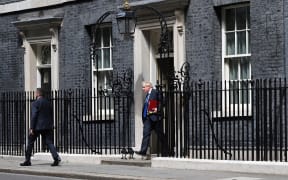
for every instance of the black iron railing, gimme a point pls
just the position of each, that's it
(13, 116)
(92, 122)
(86, 121)
(237, 120)
(233, 120)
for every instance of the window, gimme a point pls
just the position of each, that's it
(44, 67)
(236, 33)
(236, 54)
(102, 70)
(42, 74)
(102, 62)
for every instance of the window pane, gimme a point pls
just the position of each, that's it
(234, 92)
(245, 68)
(101, 80)
(244, 92)
(108, 79)
(230, 19)
(98, 40)
(106, 56)
(97, 61)
(104, 79)
(241, 42)
(248, 17)
(230, 43)
(97, 81)
(45, 55)
(106, 37)
(233, 69)
(248, 44)
(241, 18)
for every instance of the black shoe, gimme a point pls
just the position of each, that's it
(140, 153)
(56, 162)
(25, 163)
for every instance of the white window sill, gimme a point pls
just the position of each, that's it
(232, 113)
(101, 116)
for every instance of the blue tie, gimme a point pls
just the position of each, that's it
(146, 106)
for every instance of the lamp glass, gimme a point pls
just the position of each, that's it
(126, 22)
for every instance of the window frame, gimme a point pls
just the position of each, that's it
(235, 108)
(225, 75)
(101, 48)
(101, 114)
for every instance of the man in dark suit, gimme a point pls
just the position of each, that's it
(152, 119)
(41, 124)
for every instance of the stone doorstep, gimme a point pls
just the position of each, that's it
(127, 162)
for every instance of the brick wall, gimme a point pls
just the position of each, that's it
(11, 69)
(285, 6)
(267, 40)
(203, 38)
(203, 41)
(74, 41)
(74, 58)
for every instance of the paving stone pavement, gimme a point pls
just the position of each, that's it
(119, 172)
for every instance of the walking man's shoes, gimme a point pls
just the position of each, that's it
(25, 163)
(56, 162)
(140, 153)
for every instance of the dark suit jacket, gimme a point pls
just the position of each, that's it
(41, 115)
(155, 95)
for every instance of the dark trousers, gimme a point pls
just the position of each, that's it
(147, 129)
(47, 136)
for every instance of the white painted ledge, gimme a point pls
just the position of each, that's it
(280, 168)
(76, 158)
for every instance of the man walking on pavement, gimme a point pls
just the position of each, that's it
(41, 124)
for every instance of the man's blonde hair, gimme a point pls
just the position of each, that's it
(147, 83)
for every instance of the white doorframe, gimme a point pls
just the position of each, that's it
(145, 66)
(30, 59)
